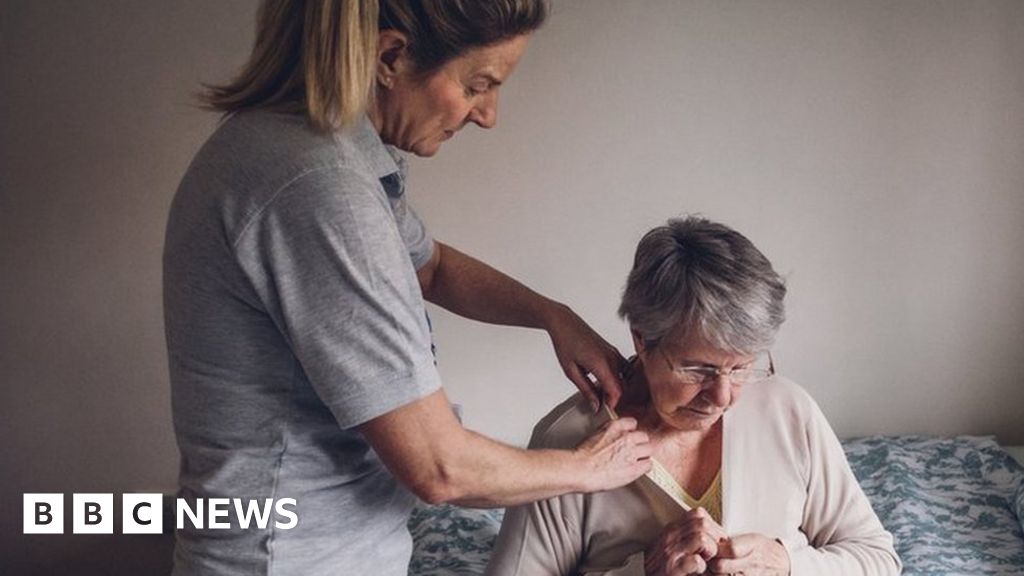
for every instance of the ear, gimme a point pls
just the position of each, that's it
(392, 56)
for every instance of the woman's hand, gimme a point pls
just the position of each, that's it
(685, 546)
(751, 555)
(581, 351)
(614, 456)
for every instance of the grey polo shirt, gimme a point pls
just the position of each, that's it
(293, 314)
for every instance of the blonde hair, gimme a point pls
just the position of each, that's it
(315, 57)
(318, 57)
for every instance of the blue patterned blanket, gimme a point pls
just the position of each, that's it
(954, 506)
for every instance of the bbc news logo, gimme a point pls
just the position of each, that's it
(144, 513)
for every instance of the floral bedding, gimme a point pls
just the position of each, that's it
(954, 506)
(450, 541)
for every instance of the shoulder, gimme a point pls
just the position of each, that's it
(778, 408)
(778, 421)
(566, 425)
(264, 148)
(265, 141)
(777, 397)
(256, 159)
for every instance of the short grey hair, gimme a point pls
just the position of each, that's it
(695, 274)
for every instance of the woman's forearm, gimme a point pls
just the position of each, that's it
(427, 449)
(483, 473)
(470, 288)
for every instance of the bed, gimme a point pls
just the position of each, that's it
(954, 506)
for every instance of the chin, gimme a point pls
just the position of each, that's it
(425, 151)
(686, 419)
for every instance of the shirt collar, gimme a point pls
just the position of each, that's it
(386, 161)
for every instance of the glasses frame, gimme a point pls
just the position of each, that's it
(710, 373)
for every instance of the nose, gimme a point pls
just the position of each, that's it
(485, 113)
(719, 390)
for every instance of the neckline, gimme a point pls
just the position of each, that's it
(666, 482)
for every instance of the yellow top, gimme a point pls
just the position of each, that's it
(711, 500)
(662, 481)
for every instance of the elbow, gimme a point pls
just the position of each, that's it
(439, 486)
(432, 493)
(896, 566)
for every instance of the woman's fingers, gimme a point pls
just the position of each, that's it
(583, 383)
(583, 354)
(708, 524)
(602, 374)
(699, 520)
(680, 555)
(695, 544)
(685, 547)
(687, 564)
(752, 554)
(633, 444)
(615, 455)
(607, 376)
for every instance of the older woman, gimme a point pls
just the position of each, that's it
(295, 274)
(750, 479)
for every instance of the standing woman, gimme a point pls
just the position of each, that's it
(295, 275)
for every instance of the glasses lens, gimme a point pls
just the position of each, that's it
(749, 375)
(693, 376)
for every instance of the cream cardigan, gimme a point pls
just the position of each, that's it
(784, 474)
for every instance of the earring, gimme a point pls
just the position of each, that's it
(386, 82)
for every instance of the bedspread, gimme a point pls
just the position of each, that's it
(954, 505)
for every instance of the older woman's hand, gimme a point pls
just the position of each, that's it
(685, 546)
(751, 555)
(581, 351)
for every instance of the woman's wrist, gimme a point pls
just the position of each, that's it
(553, 314)
(577, 470)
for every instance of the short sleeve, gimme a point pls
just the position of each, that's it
(329, 257)
(418, 241)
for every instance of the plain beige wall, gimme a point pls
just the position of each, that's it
(873, 150)
(97, 129)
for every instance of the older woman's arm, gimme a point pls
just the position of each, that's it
(844, 535)
(539, 539)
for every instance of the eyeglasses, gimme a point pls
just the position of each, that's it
(706, 375)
